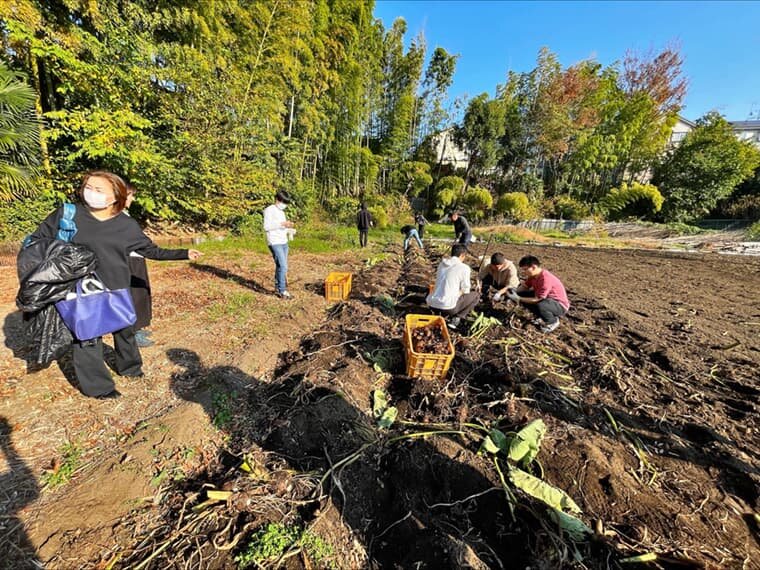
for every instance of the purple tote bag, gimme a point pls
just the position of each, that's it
(98, 313)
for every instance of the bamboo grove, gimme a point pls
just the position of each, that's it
(209, 106)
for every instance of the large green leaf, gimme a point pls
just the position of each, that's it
(494, 442)
(542, 491)
(525, 444)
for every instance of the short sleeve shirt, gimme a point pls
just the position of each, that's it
(546, 285)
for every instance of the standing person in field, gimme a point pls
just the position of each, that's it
(277, 228)
(139, 286)
(452, 287)
(363, 223)
(102, 226)
(542, 293)
(496, 278)
(462, 229)
(421, 222)
(409, 234)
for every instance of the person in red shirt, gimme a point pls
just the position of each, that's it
(542, 293)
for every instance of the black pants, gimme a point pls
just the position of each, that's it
(464, 306)
(548, 310)
(421, 230)
(465, 239)
(363, 237)
(91, 371)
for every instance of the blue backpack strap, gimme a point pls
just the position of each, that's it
(67, 228)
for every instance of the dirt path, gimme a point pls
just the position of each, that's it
(649, 391)
(221, 309)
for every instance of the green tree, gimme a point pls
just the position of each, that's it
(706, 167)
(19, 136)
(479, 134)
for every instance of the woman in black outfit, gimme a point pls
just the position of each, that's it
(111, 234)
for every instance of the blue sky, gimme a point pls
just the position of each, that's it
(719, 41)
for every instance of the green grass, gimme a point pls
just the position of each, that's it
(234, 307)
(222, 402)
(71, 455)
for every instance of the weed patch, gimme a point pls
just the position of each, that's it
(63, 470)
(274, 542)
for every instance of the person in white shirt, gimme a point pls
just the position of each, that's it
(278, 230)
(452, 294)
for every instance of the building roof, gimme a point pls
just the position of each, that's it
(686, 121)
(745, 125)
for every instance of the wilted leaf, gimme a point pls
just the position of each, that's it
(648, 557)
(380, 403)
(542, 491)
(388, 417)
(218, 495)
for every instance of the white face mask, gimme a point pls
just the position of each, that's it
(281, 206)
(96, 200)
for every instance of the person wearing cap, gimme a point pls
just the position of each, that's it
(495, 278)
(279, 230)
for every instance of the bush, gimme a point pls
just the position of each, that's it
(20, 217)
(478, 201)
(516, 206)
(744, 207)
(636, 200)
(753, 233)
(447, 193)
(379, 216)
(343, 210)
(567, 208)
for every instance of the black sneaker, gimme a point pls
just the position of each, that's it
(113, 395)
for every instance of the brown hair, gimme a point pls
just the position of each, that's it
(120, 188)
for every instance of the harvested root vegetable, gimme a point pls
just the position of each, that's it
(429, 339)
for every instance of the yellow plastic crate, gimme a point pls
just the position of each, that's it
(337, 286)
(421, 364)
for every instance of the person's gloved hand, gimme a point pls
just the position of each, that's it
(512, 295)
(496, 298)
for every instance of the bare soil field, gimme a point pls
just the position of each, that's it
(257, 415)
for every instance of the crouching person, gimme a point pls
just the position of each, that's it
(542, 293)
(496, 278)
(452, 295)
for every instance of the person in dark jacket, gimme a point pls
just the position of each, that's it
(103, 227)
(139, 286)
(462, 229)
(363, 223)
(421, 222)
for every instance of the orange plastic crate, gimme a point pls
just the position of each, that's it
(421, 364)
(337, 286)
